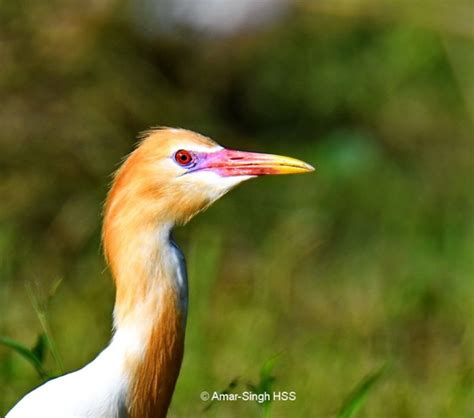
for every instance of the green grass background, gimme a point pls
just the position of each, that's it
(365, 263)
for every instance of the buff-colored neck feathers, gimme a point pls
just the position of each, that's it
(140, 210)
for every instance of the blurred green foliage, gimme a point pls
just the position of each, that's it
(367, 261)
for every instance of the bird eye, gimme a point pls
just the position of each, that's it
(183, 157)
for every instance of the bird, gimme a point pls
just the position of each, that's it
(170, 176)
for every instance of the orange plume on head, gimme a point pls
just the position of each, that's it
(142, 197)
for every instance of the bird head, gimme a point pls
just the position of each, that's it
(177, 173)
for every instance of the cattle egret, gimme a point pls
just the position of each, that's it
(171, 176)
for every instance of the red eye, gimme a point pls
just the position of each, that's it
(183, 157)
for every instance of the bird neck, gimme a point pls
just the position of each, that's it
(151, 302)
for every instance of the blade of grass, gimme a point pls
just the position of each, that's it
(265, 385)
(41, 313)
(39, 350)
(27, 354)
(358, 397)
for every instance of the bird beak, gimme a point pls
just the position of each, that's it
(228, 162)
